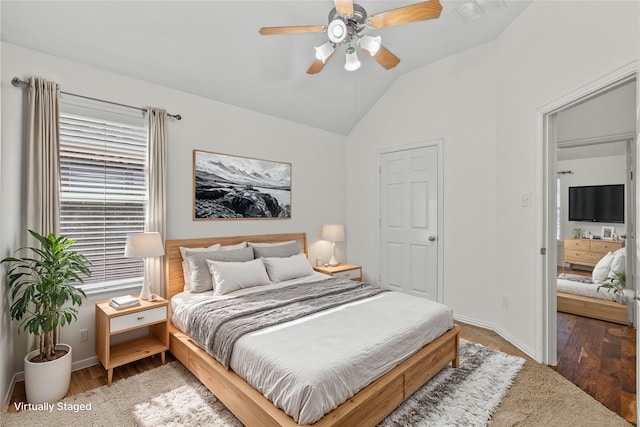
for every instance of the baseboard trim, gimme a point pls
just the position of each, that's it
(504, 334)
(19, 376)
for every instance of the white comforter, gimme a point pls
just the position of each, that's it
(309, 366)
(576, 287)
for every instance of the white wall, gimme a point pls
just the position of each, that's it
(484, 103)
(318, 166)
(591, 171)
(612, 113)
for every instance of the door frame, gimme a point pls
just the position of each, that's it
(439, 144)
(546, 165)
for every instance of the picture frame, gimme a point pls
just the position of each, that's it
(236, 187)
(607, 233)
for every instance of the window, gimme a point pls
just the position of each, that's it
(103, 193)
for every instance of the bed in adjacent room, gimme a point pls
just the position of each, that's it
(280, 344)
(583, 295)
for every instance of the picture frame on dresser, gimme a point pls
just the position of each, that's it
(227, 187)
(607, 232)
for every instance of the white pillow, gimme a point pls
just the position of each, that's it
(233, 276)
(281, 269)
(618, 264)
(602, 268)
(186, 274)
(201, 279)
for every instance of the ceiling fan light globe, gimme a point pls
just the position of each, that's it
(324, 51)
(371, 44)
(352, 62)
(337, 31)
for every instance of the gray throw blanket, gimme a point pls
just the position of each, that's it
(217, 325)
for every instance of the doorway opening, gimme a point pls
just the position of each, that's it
(586, 159)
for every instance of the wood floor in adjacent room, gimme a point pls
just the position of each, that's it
(600, 358)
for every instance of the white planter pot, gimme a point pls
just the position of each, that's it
(48, 381)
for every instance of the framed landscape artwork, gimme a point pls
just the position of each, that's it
(234, 187)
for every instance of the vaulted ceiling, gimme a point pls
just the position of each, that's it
(213, 49)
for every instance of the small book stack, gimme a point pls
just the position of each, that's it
(126, 301)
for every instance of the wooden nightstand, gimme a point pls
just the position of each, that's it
(109, 322)
(348, 271)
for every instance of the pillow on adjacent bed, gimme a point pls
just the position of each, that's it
(233, 276)
(618, 263)
(201, 280)
(277, 251)
(602, 268)
(292, 267)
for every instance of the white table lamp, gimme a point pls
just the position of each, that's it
(333, 233)
(144, 245)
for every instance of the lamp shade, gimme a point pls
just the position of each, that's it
(352, 62)
(333, 232)
(371, 44)
(143, 245)
(324, 51)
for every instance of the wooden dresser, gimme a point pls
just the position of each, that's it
(586, 251)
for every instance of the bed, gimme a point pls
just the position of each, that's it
(367, 407)
(578, 294)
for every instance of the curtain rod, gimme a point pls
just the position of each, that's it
(21, 83)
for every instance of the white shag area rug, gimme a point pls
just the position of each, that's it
(171, 396)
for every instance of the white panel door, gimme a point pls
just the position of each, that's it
(409, 221)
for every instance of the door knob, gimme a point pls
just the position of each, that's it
(432, 238)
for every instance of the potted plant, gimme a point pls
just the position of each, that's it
(43, 296)
(616, 284)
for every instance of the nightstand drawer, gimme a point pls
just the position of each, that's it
(138, 319)
(355, 274)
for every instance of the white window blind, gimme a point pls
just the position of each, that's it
(103, 193)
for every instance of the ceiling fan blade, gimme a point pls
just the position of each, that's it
(344, 7)
(386, 58)
(268, 31)
(318, 65)
(403, 15)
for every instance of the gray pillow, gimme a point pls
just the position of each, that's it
(201, 280)
(277, 251)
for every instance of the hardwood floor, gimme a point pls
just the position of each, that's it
(600, 358)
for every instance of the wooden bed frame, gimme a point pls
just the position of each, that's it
(594, 308)
(366, 408)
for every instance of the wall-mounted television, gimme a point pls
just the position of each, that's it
(597, 203)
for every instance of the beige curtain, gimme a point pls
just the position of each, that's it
(43, 166)
(43, 146)
(157, 188)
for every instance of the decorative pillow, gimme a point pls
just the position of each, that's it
(232, 247)
(264, 245)
(186, 271)
(618, 264)
(280, 269)
(233, 276)
(183, 250)
(602, 269)
(200, 274)
(278, 251)
(186, 275)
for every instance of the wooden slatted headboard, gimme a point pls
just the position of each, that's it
(173, 259)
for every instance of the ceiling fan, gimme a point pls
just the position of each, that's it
(347, 25)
